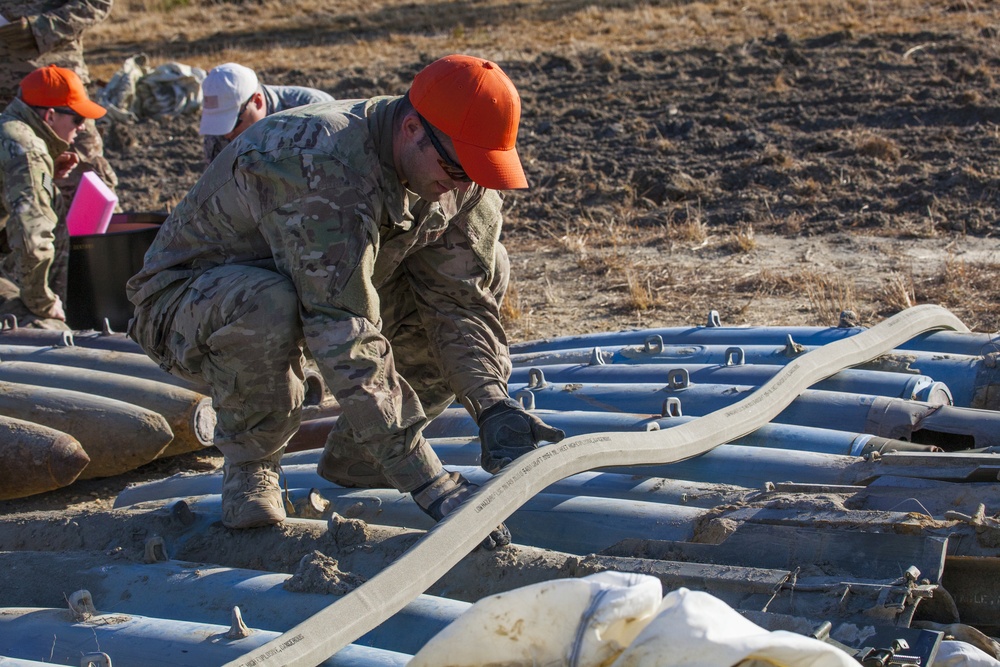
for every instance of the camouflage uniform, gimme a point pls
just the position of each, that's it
(276, 98)
(301, 233)
(34, 243)
(58, 27)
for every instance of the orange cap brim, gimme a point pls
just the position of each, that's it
(493, 169)
(87, 109)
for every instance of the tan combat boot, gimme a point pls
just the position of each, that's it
(251, 494)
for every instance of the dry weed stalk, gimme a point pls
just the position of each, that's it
(743, 240)
(640, 295)
(880, 148)
(828, 295)
(574, 244)
(693, 229)
(511, 309)
(549, 293)
(898, 292)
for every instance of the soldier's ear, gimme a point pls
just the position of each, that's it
(411, 126)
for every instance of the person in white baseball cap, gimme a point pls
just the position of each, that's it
(234, 99)
(227, 92)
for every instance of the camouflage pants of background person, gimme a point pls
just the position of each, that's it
(351, 463)
(90, 147)
(10, 300)
(12, 311)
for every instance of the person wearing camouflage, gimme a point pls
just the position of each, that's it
(50, 32)
(36, 131)
(233, 100)
(366, 231)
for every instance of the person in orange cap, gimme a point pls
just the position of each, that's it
(366, 231)
(36, 131)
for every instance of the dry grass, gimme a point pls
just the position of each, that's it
(691, 229)
(640, 293)
(828, 295)
(742, 240)
(969, 290)
(335, 34)
(898, 292)
(768, 282)
(511, 309)
(880, 148)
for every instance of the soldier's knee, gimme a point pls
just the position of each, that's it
(281, 301)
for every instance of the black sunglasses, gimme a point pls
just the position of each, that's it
(77, 118)
(239, 116)
(452, 169)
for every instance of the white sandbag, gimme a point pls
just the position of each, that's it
(582, 622)
(962, 654)
(695, 629)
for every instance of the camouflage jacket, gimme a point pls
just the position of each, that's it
(276, 98)
(313, 194)
(30, 206)
(58, 27)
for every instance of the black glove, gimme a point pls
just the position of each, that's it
(507, 431)
(442, 495)
(17, 38)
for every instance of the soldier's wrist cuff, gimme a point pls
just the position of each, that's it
(484, 397)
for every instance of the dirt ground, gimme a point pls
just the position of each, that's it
(776, 177)
(775, 181)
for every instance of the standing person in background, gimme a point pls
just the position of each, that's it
(50, 32)
(234, 100)
(36, 131)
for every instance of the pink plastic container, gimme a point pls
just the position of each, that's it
(92, 206)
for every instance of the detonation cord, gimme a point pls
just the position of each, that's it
(338, 625)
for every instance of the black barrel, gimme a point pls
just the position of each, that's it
(101, 264)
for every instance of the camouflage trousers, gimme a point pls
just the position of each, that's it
(237, 329)
(10, 299)
(12, 310)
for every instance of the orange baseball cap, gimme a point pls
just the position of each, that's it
(54, 86)
(473, 102)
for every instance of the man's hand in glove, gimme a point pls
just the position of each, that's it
(507, 431)
(442, 495)
(16, 38)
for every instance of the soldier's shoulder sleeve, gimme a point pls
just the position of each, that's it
(480, 220)
(28, 168)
